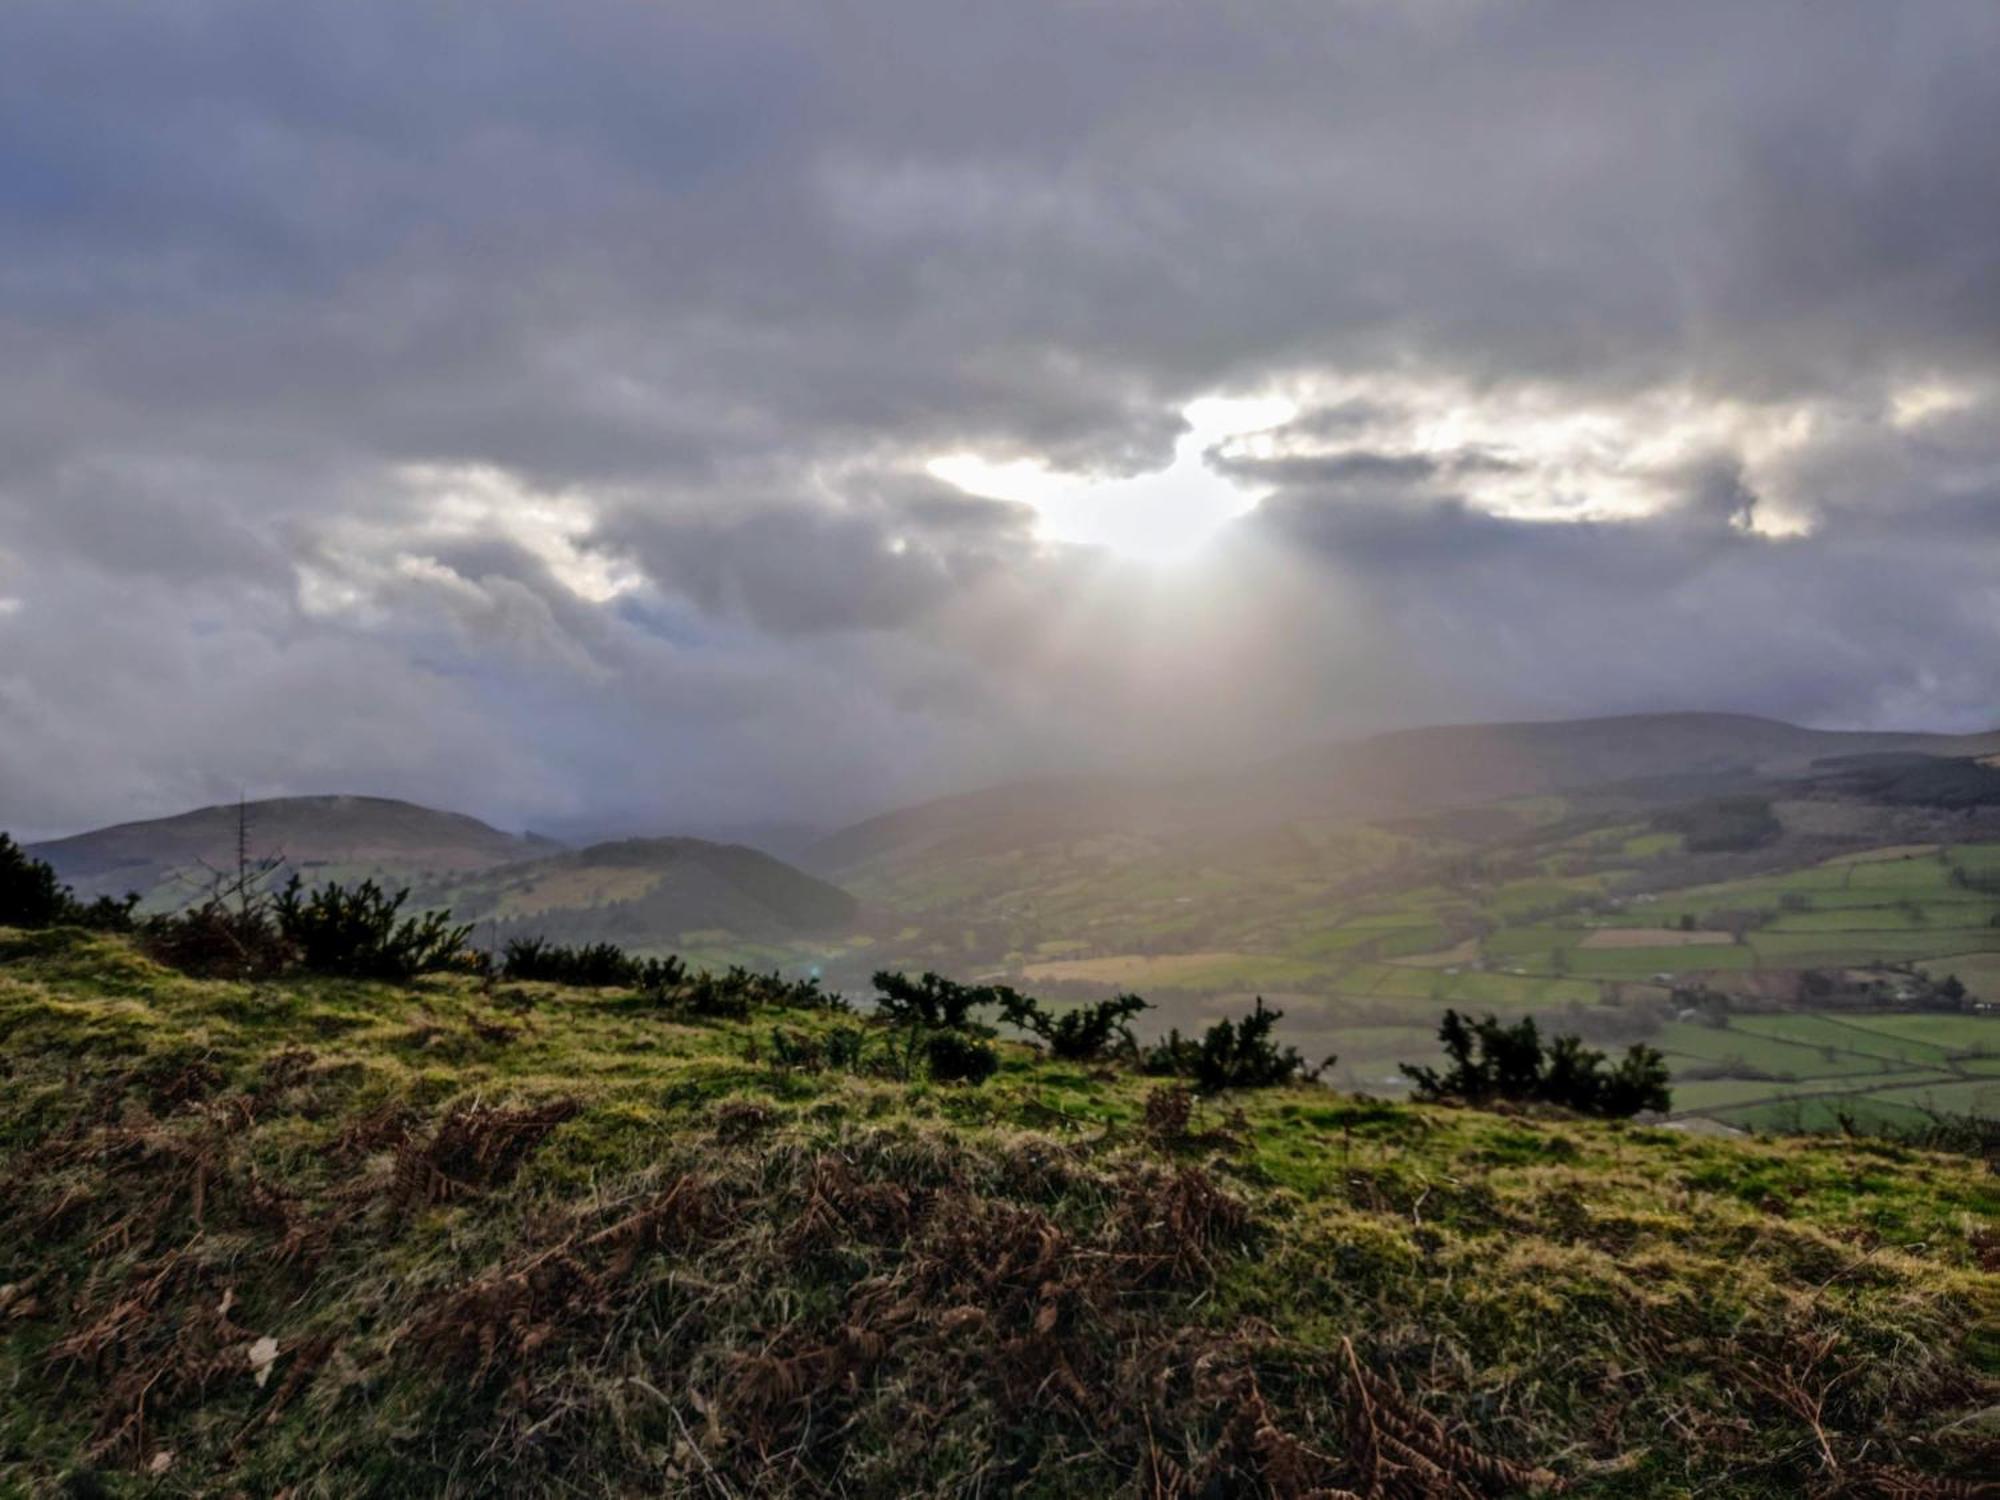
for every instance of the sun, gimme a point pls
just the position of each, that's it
(1161, 517)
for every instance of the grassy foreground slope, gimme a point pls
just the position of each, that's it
(334, 1238)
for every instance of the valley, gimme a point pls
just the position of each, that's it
(1806, 924)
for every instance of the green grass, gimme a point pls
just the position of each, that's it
(705, 1273)
(1952, 916)
(1830, 950)
(1737, 1049)
(1955, 1033)
(1926, 1056)
(1825, 1115)
(1708, 1096)
(1965, 1096)
(1850, 1034)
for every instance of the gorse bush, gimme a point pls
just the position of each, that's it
(1233, 1055)
(217, 940)
(659, 977)
(936, 1003)
(726, 997)
(32, 896)
(932, 1002)
(361, 933)
(357, 933)
(939, 1018)
(664, 983)
(1490, 1060)
(955, 1057)
(1088, 1033)
(843, 1049)
(594, 965)
(731, 995)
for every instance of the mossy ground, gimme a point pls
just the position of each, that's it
(704, 1274)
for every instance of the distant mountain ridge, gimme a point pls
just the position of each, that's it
(649, 892)
(1398, 772)
(642, 893)
(346, 833)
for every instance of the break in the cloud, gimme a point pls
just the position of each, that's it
(565, 410)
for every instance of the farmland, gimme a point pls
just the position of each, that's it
(1824, 959)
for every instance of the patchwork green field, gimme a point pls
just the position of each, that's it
(1812, 1070)
(1366, 941)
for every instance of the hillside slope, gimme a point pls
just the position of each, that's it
(640, 893)
(1403, 772)
(646, 894)
(335, 1238)
(169, 860)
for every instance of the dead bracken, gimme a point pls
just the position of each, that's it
(615, 1256)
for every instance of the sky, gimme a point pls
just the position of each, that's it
(599, 414)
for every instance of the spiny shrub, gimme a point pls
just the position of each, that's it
(725, 997)
(31, 896)
(657, 978)
(1490, 1060)
(1232, 1055)
(935, 1003)
(788, 994)
(1090, 1032)
(590, 966)
(957, 1058)
(666, 983)
(939, 1004)
(845, 1049)
(217, 940)
(793, 1051)
(361, 933)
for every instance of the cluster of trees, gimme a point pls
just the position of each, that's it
(1722, 825)
(1490, 1060)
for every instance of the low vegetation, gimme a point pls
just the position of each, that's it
(471, 1235)
(361, 933)
(1490, 1061)
(32, 896)
(1233, 1055)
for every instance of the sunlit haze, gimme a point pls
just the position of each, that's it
(1161, 516)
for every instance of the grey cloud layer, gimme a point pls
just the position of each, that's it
(526, 408)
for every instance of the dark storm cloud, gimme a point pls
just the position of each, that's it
(527, 407)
